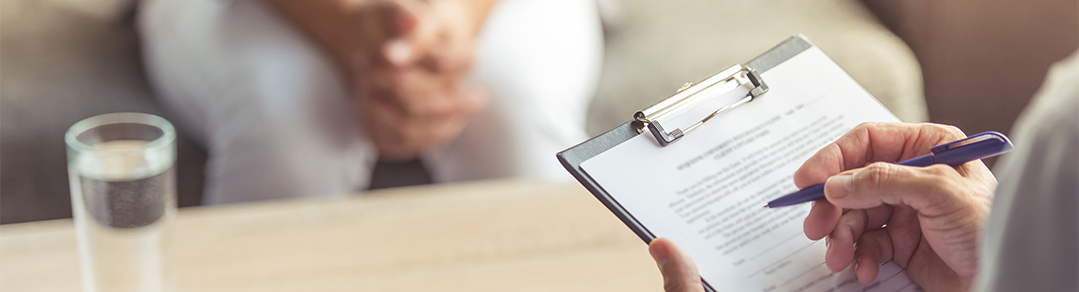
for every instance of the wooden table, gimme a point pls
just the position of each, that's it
(485, 236)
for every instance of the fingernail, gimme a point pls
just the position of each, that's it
(855, 266)
(398, 51)
(827, 242)
(838, 186)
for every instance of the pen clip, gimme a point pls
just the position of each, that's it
(991, 139)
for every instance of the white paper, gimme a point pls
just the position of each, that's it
(706, 191)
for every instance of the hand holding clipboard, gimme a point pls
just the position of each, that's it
(752, 125)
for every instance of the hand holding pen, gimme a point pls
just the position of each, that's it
(952, 154)
(928, 220)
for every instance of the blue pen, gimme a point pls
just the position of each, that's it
(954, 153)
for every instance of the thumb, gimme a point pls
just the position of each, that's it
(926, 189)
(399, 52)
(384, 20)
(386, 27)
(678, 269)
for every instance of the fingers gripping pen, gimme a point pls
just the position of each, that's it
(980, 146)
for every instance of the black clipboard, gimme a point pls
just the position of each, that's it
(572, 158)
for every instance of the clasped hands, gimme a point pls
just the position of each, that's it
(408, 70)
(928, 220)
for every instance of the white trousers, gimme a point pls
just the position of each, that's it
(275, 116)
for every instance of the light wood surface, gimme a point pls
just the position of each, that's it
(486, 236)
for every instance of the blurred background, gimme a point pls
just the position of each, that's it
(974, 64)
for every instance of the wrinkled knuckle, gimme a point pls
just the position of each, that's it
(878, 175)
(951, 132)
(853, 220)
(864, 126)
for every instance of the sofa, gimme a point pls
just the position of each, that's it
(65, 60)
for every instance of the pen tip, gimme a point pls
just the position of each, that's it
(766, 206)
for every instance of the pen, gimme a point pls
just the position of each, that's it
(955, 153)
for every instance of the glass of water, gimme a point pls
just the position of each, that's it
(123, 196)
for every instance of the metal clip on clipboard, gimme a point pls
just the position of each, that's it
(654, 116)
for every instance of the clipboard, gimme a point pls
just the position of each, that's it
(572, 158)
(654, 120)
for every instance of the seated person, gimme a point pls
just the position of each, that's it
(301, 98)
(935, 221)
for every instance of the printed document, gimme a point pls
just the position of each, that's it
(707, 190)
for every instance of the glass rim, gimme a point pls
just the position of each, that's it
(168, 133)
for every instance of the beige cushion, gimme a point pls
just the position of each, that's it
(660, 45)
(62, 61)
